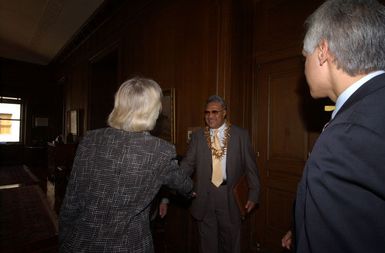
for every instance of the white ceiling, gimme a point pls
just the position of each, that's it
(36, 30)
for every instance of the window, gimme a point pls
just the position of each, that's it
(10, 119)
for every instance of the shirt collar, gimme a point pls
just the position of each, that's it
(220, 129)
(344, 96)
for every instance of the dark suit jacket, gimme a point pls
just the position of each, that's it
(116, 175)
(240, 160)
(340, 204)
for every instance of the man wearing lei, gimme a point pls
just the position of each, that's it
(218, 156)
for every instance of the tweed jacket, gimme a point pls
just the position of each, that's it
(240, 160)
(340, 205)
(115, 176)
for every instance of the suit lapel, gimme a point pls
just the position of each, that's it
(230, 152)
(205, 152)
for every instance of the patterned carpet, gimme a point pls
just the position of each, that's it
(28, 223)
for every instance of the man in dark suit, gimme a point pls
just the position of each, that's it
(218, 165)
(340, 204)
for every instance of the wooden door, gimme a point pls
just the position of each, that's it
(286, 122)
(103, 85)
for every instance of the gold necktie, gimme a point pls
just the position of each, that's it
(217, 177)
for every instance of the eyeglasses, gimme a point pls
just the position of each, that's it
(213, 112)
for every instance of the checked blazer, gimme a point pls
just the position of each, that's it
(115, 176)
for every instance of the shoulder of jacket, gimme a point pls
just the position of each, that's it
(163, 144)
(237, 128)
(198, 132)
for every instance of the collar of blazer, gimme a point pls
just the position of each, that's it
(370, 86)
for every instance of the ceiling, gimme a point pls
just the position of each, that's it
(36, 30)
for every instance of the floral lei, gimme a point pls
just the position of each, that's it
(218, 153)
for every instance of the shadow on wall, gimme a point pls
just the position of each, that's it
(312, 110)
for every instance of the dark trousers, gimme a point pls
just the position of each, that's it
(218, 234)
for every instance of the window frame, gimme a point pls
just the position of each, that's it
(19, 101)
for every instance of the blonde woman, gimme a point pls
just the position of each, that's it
(116, 174)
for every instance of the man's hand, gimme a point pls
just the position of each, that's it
(249, 206)
(163, 209)
(287, 240)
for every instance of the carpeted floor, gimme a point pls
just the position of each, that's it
(28, 223)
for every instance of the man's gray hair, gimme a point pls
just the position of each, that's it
(218, 99)
(354, 31)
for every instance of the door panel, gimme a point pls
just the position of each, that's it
(283, 141)
(286, 132)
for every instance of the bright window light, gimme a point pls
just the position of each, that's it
(10, 119)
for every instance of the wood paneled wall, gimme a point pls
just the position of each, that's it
(186, 45)
(247, 51)
(191, 46)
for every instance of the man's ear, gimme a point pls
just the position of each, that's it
(323, 52)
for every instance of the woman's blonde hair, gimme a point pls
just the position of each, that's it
(138, 103)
